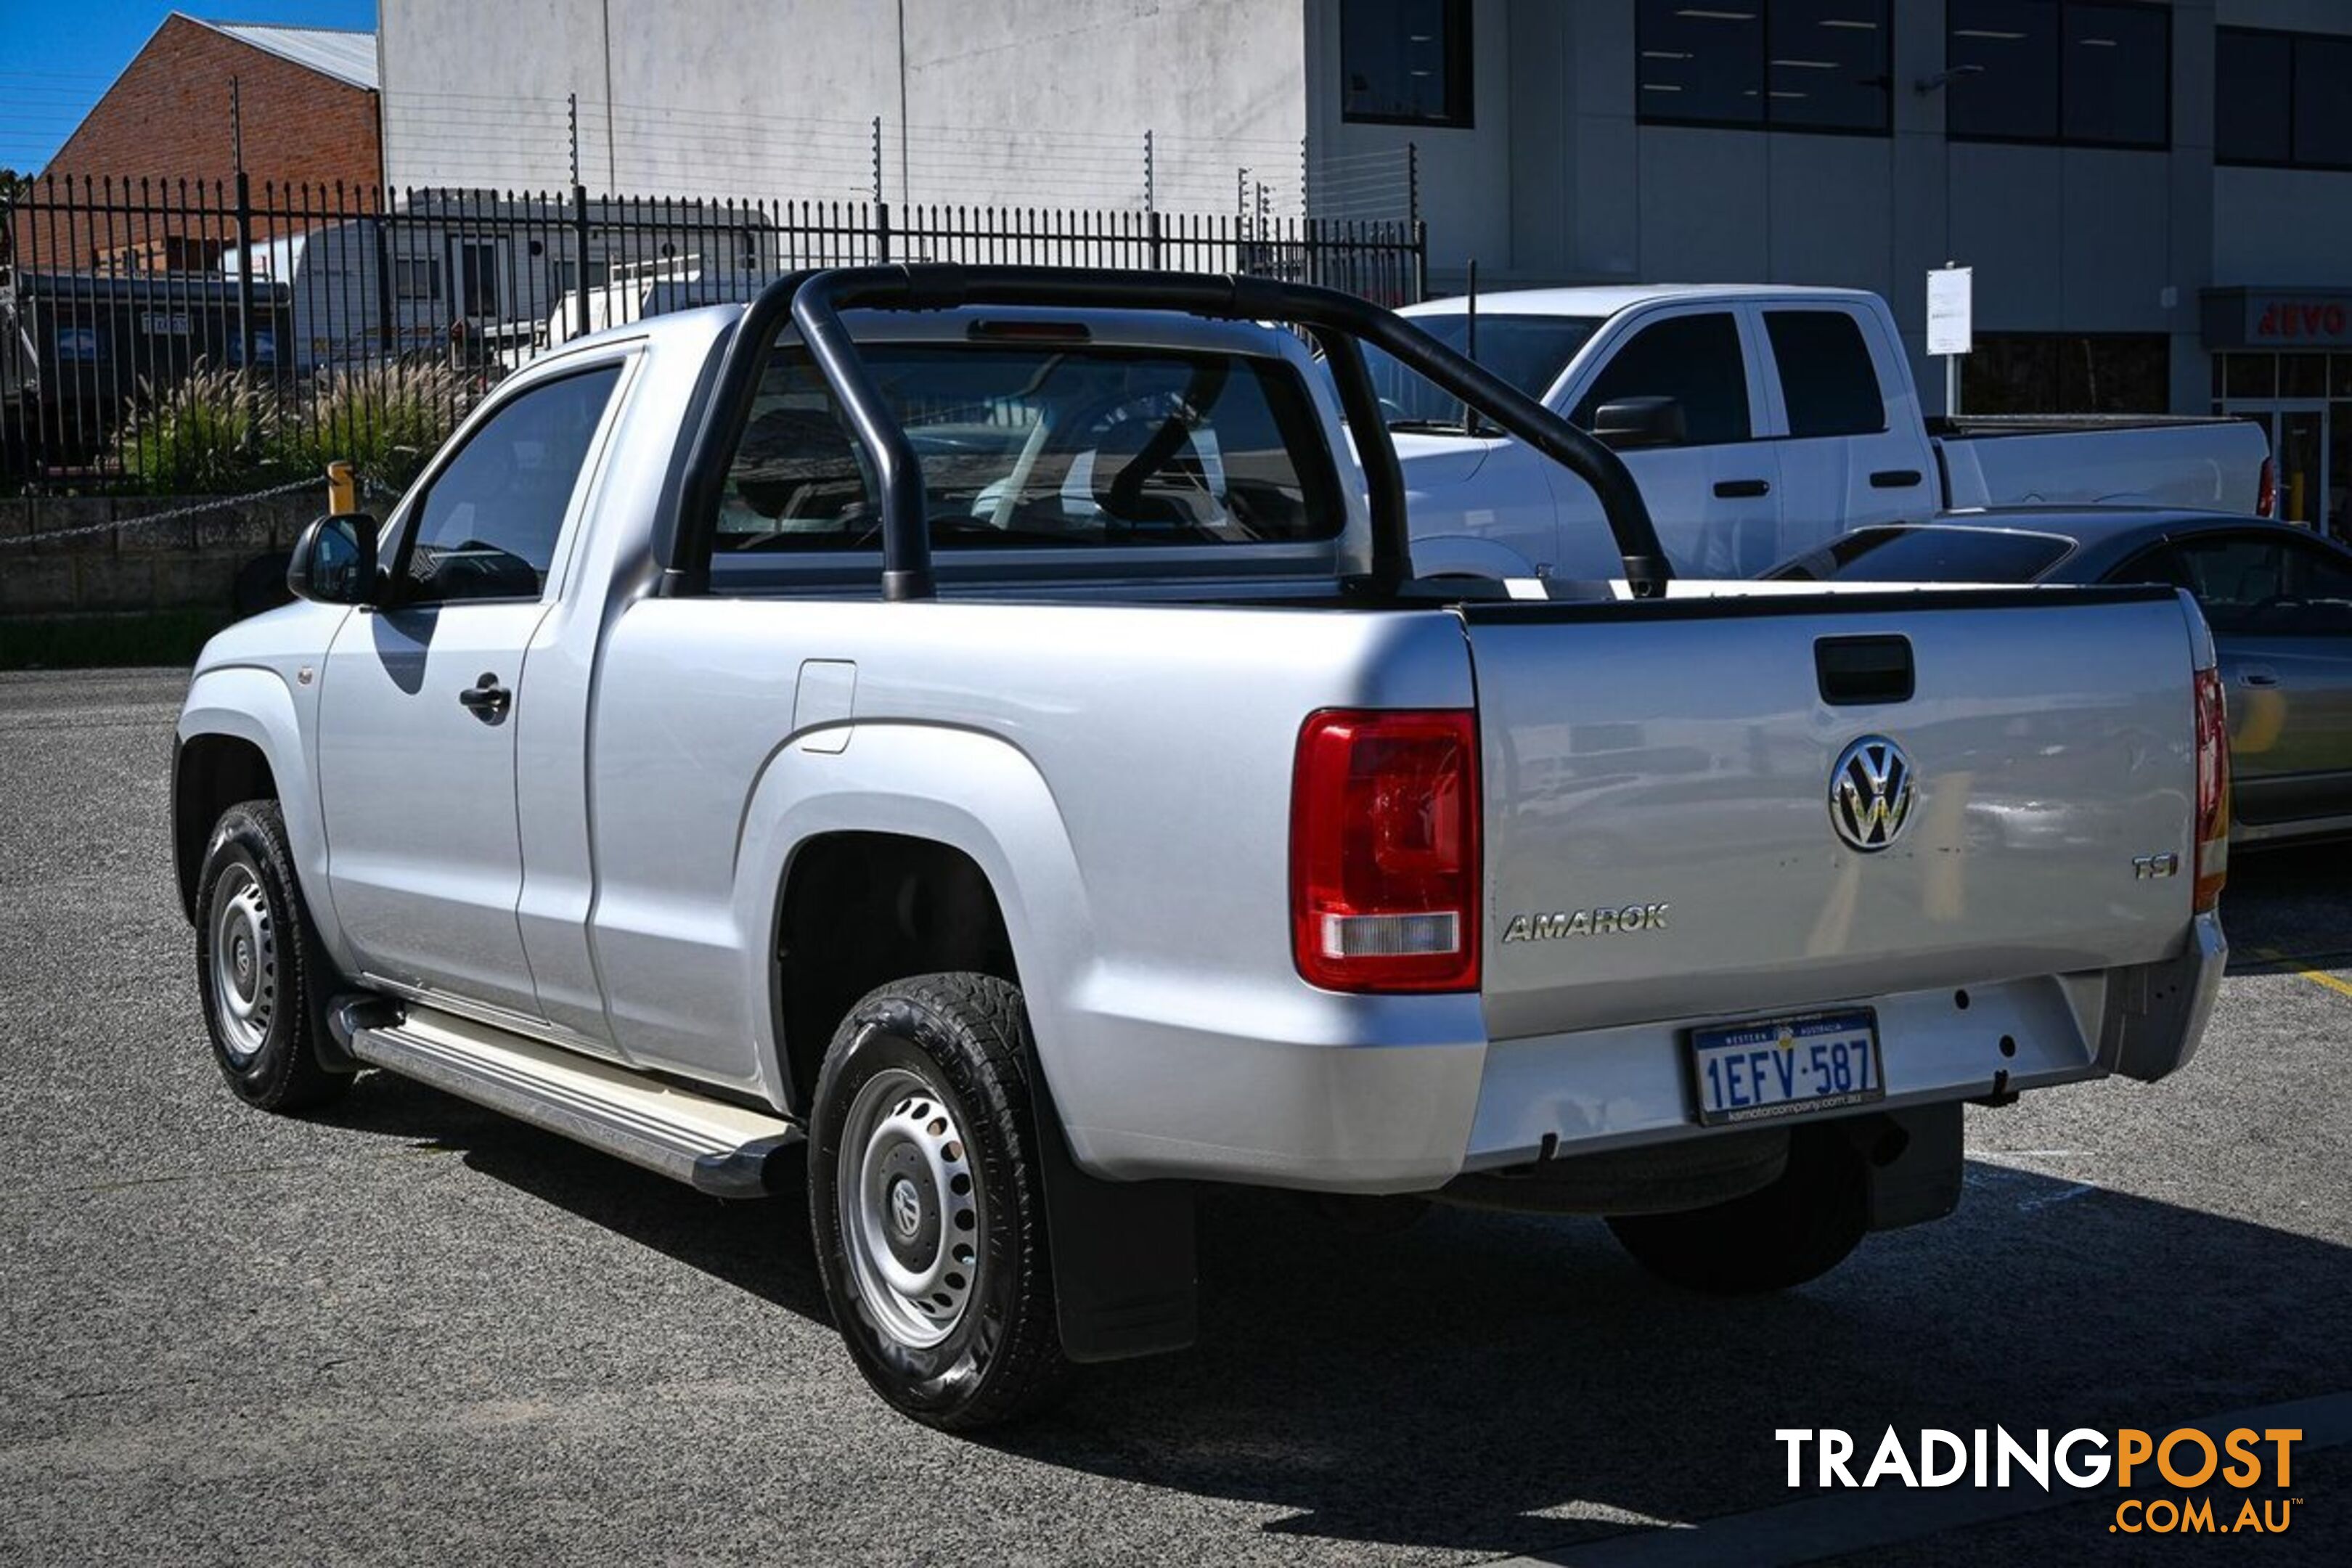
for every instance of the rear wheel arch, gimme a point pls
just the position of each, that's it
(1001, 832)
(858, 910)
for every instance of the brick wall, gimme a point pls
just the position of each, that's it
(167, 116)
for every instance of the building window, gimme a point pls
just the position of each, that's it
(2092, 75)
(1783, 65)
(1405, 62)
(2260, 375)
(2068, 373)
(2283, 98)
(415, 277)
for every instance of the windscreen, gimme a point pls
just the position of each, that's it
(1928, 555)
(1039, 444)
(1528, 351)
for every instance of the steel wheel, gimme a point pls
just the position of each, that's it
(262, 978)
(926, 1205)
(911, 1212)
(244, 963)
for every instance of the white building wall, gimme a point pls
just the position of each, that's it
(2282, 226)
(1466, 175)
(1026, 101)
(1045, 102)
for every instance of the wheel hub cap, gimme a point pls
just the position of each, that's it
(910, 1209)
(244, 964)
(906, 1209)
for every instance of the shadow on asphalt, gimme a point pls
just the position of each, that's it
(758, 1246)
(2295, 901)
(1453, 1385)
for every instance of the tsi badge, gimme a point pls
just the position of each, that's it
(1869, 793)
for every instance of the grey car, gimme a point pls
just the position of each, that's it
(2278, 597)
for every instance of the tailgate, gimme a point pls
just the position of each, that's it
(1660, 836)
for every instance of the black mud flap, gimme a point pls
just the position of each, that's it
(1912, 1162)
(1123, 1253)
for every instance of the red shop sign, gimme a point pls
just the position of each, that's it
(2288, 318)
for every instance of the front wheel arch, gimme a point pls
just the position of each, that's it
(210, 773)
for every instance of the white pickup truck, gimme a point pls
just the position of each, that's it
(1759, 421)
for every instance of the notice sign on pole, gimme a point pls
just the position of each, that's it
(1951, 327)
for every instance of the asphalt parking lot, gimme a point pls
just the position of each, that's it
(411, 1330)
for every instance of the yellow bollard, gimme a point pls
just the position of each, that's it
(342, 490)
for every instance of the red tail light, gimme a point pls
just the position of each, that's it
(1385, 871)
(2266, 490)
(2213, 790)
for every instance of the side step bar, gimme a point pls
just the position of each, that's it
(712, 1145)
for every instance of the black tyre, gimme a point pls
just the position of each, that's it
(927, 1205)
(1797, 1229)
(259, 969)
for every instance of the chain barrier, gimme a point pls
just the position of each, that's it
(219, 504)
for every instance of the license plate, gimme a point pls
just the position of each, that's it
(1786, 1067)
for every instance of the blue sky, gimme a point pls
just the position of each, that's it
(58, 56)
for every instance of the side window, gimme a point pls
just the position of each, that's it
(1826, 377)
(1695, 361)
(2155, 565)
(487, 528)
(2251, 586)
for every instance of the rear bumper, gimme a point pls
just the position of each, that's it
(2157, 1012)
(1410, 1115)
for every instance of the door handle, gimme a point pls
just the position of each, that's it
(486, 699)
(1736, 489)
(2258, 678)
(1893, 479)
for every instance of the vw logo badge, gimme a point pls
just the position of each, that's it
(1869, 793)
(906, 1209)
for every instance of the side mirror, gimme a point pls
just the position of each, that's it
(334, 560)
(1634, 421)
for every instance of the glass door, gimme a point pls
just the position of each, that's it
(474, 268)
(2338, 508)
(2301, 444)
(2298, 430)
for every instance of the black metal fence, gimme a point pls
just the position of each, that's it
(173, 336)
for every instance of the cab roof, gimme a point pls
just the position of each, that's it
(1608, 299)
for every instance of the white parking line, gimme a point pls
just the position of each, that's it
(1835, 1524)
(2067, 1196)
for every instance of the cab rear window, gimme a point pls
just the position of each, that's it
(1039, 444)
(1827, 382)
(1929, 555)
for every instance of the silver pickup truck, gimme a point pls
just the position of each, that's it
(976, 738)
